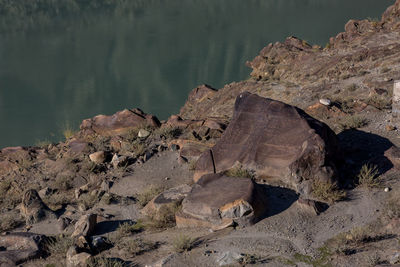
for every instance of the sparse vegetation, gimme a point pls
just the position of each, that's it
(59, 245)
(129, 228)
(368, 176)
(136, 246)
(105, 262)
(8, 222)
(88, 200)
(379, 102)
(183, 243)
(326, 191)
(63, 182)
(353, 122)
(68, 131)
(148, 194)
(240, 172)
(165, 217)
(168, 132)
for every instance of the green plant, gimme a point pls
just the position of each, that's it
(183, 243)
(327, 191)
(59, 245)
(368, 176)
(240, 172)
(148, 194)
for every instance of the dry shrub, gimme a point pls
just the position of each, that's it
(368, 176)
(136, 246)
(240, 172)
(327, 191)
(352, 122)
(59, 245)
(128, 228)
(183, 243)
(148, 194)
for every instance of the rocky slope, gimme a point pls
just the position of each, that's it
(127, 190)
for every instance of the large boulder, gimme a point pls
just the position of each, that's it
(280, 143)
(20, 247)
(217, 199)
(33, 209)
(119, 123)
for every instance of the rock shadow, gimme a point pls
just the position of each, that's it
(279, 199)
(109, 226)
(359, 148)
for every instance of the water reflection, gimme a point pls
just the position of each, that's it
(147, 55)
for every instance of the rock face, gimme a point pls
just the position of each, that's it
(85, 225)
(281, 143)
(393, 154)
(165, 199)
(119, 123)
(217, 199)
(33, 208)
(20, 247)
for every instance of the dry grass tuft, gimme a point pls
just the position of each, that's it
(59, 245)
(128, 228)
(240, 172)
(327, 191)
(352, 122)
(368, 176)
(136, 246)
(148, 194)
(183, 243)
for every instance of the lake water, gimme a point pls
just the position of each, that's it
(149, 56)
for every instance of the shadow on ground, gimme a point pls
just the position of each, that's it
(359, 148)
(108, 226)
(279, 199)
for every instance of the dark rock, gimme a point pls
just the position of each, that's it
(100, 243)
(20, 247)
(217, 200)
(279, 142)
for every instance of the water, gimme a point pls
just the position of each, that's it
(150, 56)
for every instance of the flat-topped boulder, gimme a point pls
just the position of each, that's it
(217, 200)
(280, 143)
(118, 123)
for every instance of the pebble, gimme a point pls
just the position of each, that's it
(325, 101)
(387, 189)
(143, 133)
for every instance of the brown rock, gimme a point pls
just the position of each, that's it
(33, 209)
(281, 143)
(390, 127)
(167, 198)
(119, 123)
(98, 157)
(85, 225)
(393, 154)
(215, 199)
(310, 206)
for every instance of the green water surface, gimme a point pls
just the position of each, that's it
(60, 65)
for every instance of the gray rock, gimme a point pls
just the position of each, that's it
(325, 101)
(33, 208)
(75, 259)
(227, 258)
(143, 133)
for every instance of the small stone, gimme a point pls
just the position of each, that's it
(325, 101)
(167, 178)
(98, 157)
(143, 133)
(387, 189)
(390, 127)
(147, 155)
(45, 192)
